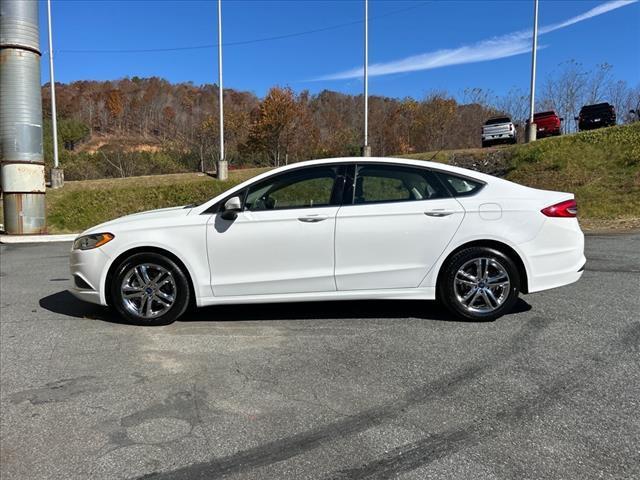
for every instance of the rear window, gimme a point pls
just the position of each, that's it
(544, 114)
(495, 121)
(599, 107)
(460, 186)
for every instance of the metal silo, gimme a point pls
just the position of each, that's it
(22, 170)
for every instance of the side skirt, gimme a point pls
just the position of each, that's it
(424, 293)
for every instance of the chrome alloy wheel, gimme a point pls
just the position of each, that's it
(482, 285)
(148, 290)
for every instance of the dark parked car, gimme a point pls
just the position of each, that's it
(596, 116)
(547, 124)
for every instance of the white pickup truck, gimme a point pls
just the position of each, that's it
(498, 130)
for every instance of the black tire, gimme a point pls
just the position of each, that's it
(178, 285)
(447, 283)
(486, 144)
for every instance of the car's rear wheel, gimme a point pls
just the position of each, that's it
(149, 289)
(479, 283)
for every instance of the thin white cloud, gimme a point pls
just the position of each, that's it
(594, 12)
(515, 43)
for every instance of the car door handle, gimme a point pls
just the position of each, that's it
(438, 213)
(312, 219)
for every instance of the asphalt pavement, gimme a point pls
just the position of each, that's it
(322, 390)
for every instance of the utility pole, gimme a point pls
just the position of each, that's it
(366, 149)
(57, 174)
(22, 168)
(222, 170)
(530, 132)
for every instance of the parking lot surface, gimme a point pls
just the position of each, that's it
(322, 390)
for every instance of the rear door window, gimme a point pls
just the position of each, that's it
(395, 183)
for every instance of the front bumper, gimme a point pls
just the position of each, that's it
(86, 268)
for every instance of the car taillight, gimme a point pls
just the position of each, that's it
(568, 208)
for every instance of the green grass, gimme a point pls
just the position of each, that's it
(82, 204)
(602, 168)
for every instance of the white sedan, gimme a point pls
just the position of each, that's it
(340, 229)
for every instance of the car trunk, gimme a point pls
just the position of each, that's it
(499, 129)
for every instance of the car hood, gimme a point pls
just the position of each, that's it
(161, 213)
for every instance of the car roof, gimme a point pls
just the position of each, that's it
(388, 160)
(472, 174)
(499, 118)
(545, 114)
(597, 105)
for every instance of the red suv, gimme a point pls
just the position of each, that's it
(547, 124)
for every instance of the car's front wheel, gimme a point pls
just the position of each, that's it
(479, 283)
(149, 289)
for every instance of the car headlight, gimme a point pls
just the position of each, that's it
(95, 240)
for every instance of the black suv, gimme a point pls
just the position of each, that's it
(596, 116)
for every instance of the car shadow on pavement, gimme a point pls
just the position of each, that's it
(65, 303)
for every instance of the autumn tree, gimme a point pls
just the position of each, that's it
(115, 104)
(273, 125)
(182, 119)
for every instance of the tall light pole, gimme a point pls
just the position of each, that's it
(57, 174)
(530, 132)
(222, 170)
(21, 161)
(366, 149)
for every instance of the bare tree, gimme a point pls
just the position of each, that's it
(564, 92)
(516, 103)
(598, 84)
(479, 96)
(624, 99)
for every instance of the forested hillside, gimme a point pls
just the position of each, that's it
(138, 126)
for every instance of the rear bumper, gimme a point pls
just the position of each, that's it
(498, 136)
(592, 124)
(554, 280)
(556, 256)
(547, 131)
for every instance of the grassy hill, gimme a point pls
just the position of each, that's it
(601, 167)
(81, 204)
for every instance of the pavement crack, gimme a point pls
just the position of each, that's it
(297, 444)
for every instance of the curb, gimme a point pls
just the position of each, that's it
(15, 239)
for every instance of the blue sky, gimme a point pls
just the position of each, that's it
(404, 35)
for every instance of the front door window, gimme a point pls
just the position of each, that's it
(308, 188)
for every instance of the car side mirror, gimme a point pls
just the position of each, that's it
(576, 118)
(231, 208)
(562, 119)
(632, 112)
